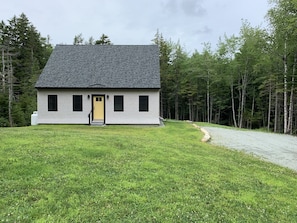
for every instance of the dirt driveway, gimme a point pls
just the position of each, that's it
(276, 148)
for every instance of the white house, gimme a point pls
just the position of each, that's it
(100, 84)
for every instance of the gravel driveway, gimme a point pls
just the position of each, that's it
(276, 148)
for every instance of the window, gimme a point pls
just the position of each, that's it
(118, 103)
(77, 103)
(52, 103)
(143, 103)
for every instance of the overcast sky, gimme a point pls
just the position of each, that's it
(192, 22)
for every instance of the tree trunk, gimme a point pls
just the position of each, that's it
(176, 106)
(233, 106)
(197, 112)
(161, 104)
(210, 110)
(168, 109)
(252, 112)
(208, 98)
(3, 71)
(10, 91)
(276, 112)
(243, 93)
(191, 109)
(269, 106)
(285, 91)
(239, 103)
(217, 116)
(290, 119)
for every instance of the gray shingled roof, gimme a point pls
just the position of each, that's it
(102, 66)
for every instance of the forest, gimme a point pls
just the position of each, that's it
(247, 81)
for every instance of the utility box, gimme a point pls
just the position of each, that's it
(34, 118)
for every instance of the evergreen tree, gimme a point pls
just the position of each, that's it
(165, 50)
(104, 40)
(78, 39)
(28, 52)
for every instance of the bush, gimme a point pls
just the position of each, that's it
(4, 122)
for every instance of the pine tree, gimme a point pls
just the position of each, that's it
(104, 40)
(28, 53)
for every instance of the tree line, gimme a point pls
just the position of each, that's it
(247, 82)
(24, 53)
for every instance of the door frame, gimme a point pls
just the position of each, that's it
(96, 95)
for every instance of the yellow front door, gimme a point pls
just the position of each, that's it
(98, 108)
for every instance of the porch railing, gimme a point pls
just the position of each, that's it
(90, 116)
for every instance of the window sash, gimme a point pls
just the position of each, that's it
(77, 103)
(52, 103)
(118, 103)
(143, 103)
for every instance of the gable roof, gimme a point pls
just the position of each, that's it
(102, 66)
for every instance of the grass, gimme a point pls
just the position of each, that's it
(136, 174)
(205, 124)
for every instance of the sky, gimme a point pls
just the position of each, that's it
(189, 22)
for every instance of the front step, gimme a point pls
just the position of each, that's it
(97, 123)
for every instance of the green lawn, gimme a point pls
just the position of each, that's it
(136, 174)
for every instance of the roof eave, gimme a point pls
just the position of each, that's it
(106, 88)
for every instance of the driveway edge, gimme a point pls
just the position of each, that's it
(206, 136)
